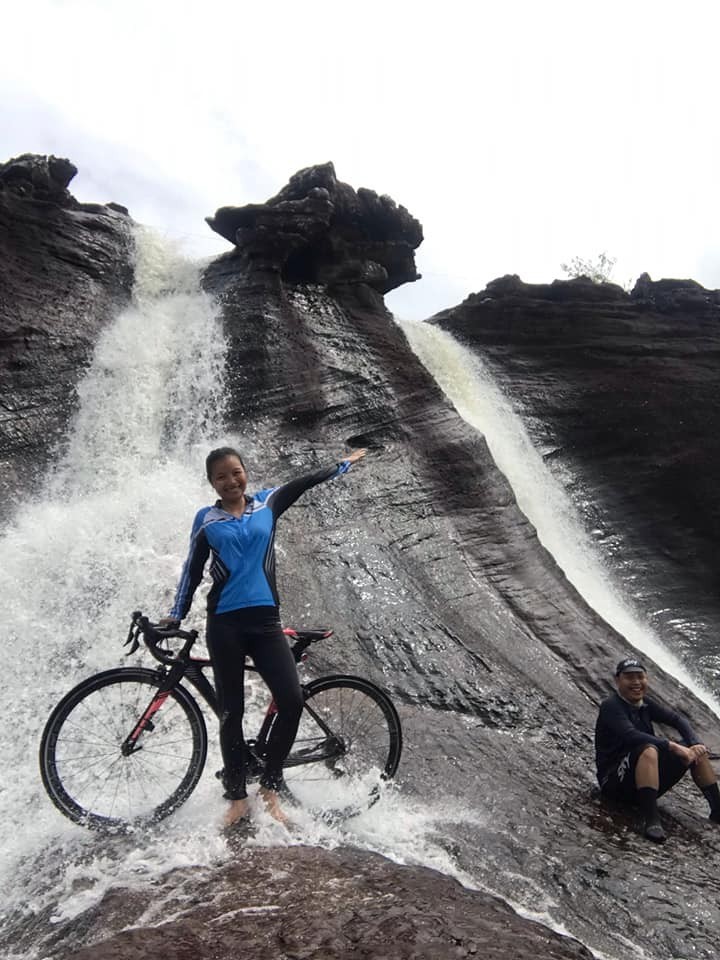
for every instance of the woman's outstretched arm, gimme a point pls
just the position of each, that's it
(283, 497)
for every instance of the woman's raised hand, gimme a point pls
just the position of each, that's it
(356, 455)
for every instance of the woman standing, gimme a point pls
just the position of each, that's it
(238, 532)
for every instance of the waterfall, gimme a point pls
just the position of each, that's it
(472, 390)
(105, 532)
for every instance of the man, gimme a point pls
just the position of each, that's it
(635, 765)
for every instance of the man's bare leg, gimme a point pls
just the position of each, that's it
(646, 769)
(704, 776)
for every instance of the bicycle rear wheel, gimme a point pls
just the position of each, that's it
(83, 767)
(349, 740)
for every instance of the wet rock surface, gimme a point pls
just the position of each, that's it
(620, 390)
(65, 270)
(439, 588)
(303, 902)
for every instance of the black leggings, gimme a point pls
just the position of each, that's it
(255, 632)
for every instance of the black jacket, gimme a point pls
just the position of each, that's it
(621, 727)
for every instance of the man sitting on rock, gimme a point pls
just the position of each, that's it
(636, 766)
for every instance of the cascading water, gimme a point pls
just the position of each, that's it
(99, 537)
(103, 535)
(479, 401)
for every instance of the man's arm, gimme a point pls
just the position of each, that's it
(671, 718)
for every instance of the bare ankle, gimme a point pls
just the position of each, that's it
(238, 810)
(272, 805)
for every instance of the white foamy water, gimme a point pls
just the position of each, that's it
(472, 390)
(104, 534)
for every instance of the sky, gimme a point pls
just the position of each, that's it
(520, 133)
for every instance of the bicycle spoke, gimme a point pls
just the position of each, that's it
(83, 765)
(349, 734)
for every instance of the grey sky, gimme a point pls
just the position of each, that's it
(519, 133)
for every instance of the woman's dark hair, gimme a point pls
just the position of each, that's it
(219, 454)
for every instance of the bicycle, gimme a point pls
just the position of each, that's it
(128, 745)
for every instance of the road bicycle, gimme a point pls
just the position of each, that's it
(129, 745)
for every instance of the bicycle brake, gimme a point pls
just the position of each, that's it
(132, 638)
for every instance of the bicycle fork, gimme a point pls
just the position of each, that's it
(130, 745)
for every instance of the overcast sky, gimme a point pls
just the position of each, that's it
(520, 133)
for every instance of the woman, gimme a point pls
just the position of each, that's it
(238, 532)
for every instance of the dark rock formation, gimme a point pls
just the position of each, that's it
(320, 230)
(310, 903)
(65, 269)
(437, 587)
(622, 392)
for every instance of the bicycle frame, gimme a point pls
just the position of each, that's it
(348, 728)
(184, 666)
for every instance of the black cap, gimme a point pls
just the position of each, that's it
(629, 665)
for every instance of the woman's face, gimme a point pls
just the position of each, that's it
(229, 479)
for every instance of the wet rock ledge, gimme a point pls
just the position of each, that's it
(65, 271)
(303, 903)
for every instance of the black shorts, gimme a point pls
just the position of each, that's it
(620, 784)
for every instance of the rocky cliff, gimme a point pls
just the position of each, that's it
(437, 587)
(621, 391)
(65, 270)
(452, 601)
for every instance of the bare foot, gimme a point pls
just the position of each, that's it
(238, 810)
(272, 805)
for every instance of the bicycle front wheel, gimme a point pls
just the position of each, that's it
(349, 736)
(86, 772)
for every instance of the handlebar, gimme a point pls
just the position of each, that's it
(152, 635)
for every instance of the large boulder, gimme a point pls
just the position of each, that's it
(308, 902)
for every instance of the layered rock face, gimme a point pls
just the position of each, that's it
(65, 270)
(439, 588)
(620, 390)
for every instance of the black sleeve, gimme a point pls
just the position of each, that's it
(285, 496)
(191, 574)
(673, 719)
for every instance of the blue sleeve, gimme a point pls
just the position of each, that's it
(673, 719)
(193, 568)
(285, 496)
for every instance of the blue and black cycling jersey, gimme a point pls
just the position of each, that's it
(242, 548)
